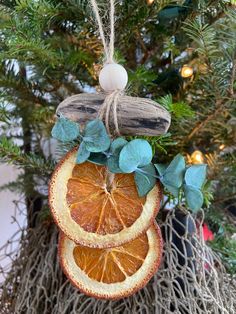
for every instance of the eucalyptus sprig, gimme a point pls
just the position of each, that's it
(189, 180)
(93, 139)
(135, 156)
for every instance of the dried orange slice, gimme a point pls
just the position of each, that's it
(112, 273)
(91, 214)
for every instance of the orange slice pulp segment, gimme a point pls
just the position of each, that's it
(98, 208)
(112, 265)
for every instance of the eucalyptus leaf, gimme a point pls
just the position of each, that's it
(145, 179)
(194, 197)
(161, 168)
(113, 160)
(113, 164)
(96, 137)
(172, 176)
(98, 158)
(174, 173)
(195, 175)
(65, 130)
(172, 189)
(82, 154)
(137, 153)
(117, 145)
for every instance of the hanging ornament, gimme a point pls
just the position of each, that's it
(104, 195)
(186, 71)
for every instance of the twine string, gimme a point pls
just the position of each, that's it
(112, 33)
(108, 47)
(110, 104)
(111, 101)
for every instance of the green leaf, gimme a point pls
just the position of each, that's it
(145, 180)
(137, 153)
(113, 160)
(113, 164)
(194, 197)
(98, 158)
(161, 168)
(117, 145)
(82, 154)
(195, 175)
(172, 176)
(65, 130)
(172, 189)
(96, 137)
(174, 173)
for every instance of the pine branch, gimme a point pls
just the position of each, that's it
(232, 81)
(203, 123)
(12, 154)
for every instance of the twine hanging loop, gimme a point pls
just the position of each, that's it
(108, 46)
(116, 73)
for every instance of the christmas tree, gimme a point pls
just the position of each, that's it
(181, 54)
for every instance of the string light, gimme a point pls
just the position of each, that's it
(222, 146)
(150, 2)
(197, 157)
(186, 71)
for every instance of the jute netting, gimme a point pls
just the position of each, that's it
(190, 280)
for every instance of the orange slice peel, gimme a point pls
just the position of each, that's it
(112, 273)
(91, 214)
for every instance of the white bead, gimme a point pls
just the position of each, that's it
(112, 77)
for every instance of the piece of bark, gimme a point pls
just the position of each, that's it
(136, 116)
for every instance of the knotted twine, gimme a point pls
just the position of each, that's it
(111, 101)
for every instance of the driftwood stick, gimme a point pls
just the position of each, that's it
(136, 116)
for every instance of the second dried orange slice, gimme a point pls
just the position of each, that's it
(95, 211)
(112, 273)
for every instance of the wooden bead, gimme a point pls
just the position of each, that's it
(113, 77)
